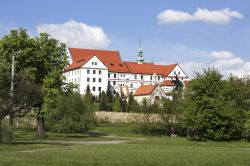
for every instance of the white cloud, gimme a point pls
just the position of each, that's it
(190, 68)
(226, 62)
(77, 34)
(173, 16)
(222, 54)
(223, 16)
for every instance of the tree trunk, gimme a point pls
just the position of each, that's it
(10, 132)
(0, 130)
(40, 126)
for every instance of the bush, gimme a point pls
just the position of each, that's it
(72, 114)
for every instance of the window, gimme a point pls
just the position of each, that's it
(99, 80)
(114, 82)
(92, 63)
(158, 78)
(99, 89)
(93, 79)
(179, 72)
(108, 82)
(78, 79)
(135, 76)
(174, 72)
(141, 77)
(93, 71)
(78, 71)
(131, 85)
(88, 71)
(151, 77)
(108, 75)
(93, 88)
(114, 92)
(95, 63)
(114, 75)
(75, 80)
(88, 79)
(100, 72)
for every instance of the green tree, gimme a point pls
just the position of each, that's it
(237, 92)
(178, 85)
(117, 103)
(208, 115)
(72, 114)
(44, 59)
(103, 106)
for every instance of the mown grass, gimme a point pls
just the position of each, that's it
(149, 151)
(129, 155)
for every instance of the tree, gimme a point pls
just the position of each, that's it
(44, 58)
(116, 105)
(72, 114)
(237, 92)
(103, 106)
(208, 115)
(178, 85)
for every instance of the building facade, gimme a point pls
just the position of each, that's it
(98, 68)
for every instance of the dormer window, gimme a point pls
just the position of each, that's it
(120, 65)
(111, 64)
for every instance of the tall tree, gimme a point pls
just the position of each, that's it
(44, 58)
(103, 104)
(208, 115)
(116, 105)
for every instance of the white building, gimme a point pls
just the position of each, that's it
(98, 68)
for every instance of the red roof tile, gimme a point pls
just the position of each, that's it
(77, 64)
(103, 55)
(150, 68)
(167, 83)
(145, 90)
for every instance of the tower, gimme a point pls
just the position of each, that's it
(140, 59)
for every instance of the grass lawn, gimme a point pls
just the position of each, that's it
(150, 151)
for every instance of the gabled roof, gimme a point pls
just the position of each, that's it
(77, 64)
(104, 55)
(145, 90)
(111, 59)
(150, 68)
(167, 83)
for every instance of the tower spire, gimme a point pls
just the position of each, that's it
(140, 59)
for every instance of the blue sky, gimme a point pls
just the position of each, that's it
(196, 34)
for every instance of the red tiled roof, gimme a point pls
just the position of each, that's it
(111, 59)
(103, 55)
(117, 67)
(150, 68)
(77, 64)
(145, 90)
(167, 83)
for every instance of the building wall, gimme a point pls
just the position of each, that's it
(95, 74)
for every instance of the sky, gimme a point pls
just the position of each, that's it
(196, 34)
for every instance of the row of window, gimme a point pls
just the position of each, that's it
(94, 89)
(72, 72)
(94, 63)
(94, 79)
(94, 72)
(178, 72)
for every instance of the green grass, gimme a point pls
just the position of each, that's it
(129, 155)
(150, 151)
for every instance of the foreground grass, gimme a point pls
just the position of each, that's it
(128, 155)
(149, 151)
